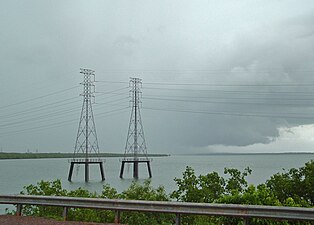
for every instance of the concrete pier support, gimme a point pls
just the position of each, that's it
(135, 167)
(87, 163)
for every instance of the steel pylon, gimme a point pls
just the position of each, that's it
(86, 144)
(135, 147)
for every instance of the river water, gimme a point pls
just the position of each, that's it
(15, 174)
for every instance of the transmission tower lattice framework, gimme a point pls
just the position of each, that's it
(135, 148)
(86, 149)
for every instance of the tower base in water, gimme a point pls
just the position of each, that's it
(86, 163)
(135, 167)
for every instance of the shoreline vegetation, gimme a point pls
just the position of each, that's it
(15, 155)
(31, 155)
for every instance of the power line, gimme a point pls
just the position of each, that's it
(46, 106)
(111, 82)
(112, 91)
(231, 91)
(229, 85)
(45, 117)
(40, 97)
(56, 104)
(116, 100)
(232, 103)
(62, 123)
(113, 95)
(227, 98)
(116, 110)
(230, 113)
(219, 84)
(210, 71)
(41, 108)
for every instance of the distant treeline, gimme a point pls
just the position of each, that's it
(7, 155)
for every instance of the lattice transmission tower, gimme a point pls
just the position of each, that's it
(135, 148)
(86, 150)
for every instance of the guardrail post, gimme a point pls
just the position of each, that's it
(65, 213)
(19, 208)
(117, 217)
(246, 221)
(178, 219)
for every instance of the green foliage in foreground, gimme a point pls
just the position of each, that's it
(292, 188)
(136, 191)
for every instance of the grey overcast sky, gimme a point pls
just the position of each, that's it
(248, 64)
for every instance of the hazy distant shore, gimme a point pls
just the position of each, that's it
(14, 155)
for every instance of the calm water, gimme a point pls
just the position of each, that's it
(15, 174)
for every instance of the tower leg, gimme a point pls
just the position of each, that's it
(122, 169)
(135, 170)
(86, 171)
(149, 170)
(70, 172)
(102, 171)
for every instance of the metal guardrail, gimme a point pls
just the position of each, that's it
(178, 208)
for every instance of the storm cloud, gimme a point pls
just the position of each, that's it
(215, 73)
